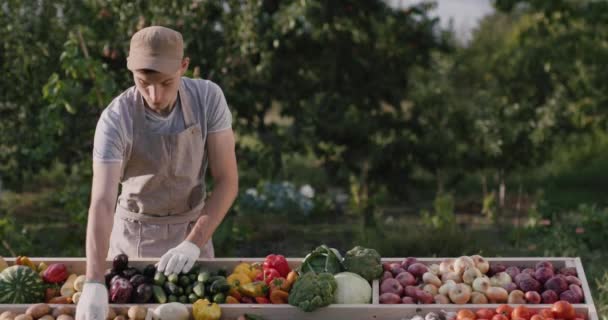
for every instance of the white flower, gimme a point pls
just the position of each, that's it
(252, 192)
(307, 191)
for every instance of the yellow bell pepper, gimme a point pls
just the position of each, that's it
(238, 279)
(202, 309)
(42, 266)
(25, 261)
(254, 289)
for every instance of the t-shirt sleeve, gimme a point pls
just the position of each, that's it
(109, 144)
(218, 114)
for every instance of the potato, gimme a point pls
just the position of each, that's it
(111, 314)
(38, 310)
(137, 313)
(65, 317)
(7, 315)
(120, 317)
(24, 317)
(63, 310)
(47, 317)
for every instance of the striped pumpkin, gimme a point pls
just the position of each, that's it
(20, 284)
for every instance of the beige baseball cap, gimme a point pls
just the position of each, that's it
(156, 48)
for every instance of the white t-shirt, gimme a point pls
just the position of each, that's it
(114, 132)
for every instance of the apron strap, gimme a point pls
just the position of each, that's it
(188, 216)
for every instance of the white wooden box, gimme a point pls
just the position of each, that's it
(372, 311)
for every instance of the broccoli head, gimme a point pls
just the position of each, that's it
(364, 262)
(312, 291)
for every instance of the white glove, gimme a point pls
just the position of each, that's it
(180, 258)
(93, 303)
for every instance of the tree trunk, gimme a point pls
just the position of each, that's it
(439, 177)
(502, 189)
(484, 185)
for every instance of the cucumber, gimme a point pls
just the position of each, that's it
(199, 289)
(219, 298)
(188, 289)
(184, 281)
(215, 278)
(220, 286)
(159, 279)
(203, 276)
(171, 288)
(172, 298)
(159, 294)
(173, 278)
(192, 277)
(192, 298)
(182, 299)
(180, 291)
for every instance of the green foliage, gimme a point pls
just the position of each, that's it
(443, 215)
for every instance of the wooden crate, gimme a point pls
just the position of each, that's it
(372, 311)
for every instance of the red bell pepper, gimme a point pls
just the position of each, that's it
(277, 262)
(55, 273)
(268, 276)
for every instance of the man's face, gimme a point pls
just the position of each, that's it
(159, 89)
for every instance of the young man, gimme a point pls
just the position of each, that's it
(156, 139)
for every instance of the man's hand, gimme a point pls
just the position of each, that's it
(93, 304)
(179, 259)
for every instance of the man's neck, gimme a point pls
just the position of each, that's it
(165, 111)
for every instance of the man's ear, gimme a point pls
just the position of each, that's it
(184, 67)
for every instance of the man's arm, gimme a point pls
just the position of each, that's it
(222, 162)
(106, 177)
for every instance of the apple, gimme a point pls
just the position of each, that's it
(470, 274)
(549, 296)
(481, 284)
(557, 284)
(434, 268)
(570, 296)
(417, 269)
(533, 297)
(445, 288)
(391, 285)
(516, 297)
(390, 298)
(462, 263)
(460, 293)
(424, 297)
(408, 300)
(410, 291)
(578, 290)
(500, 279)
(497, 295)
(568, 271)
(543, 274)
(408, 262)
(386, 275)
(451, 275)
(430, 278)
(446, 265)
(478, 298)
(441, 299)
(480, 263)
(574, 280)
(529, 284)
(510, 287)
(513, 271)
(544, 264)
(496, 268)
(406, 279)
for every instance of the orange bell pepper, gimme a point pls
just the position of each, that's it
(278, 296)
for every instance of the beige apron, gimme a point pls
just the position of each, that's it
(161, 196)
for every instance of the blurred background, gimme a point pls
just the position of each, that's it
(417, 128)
